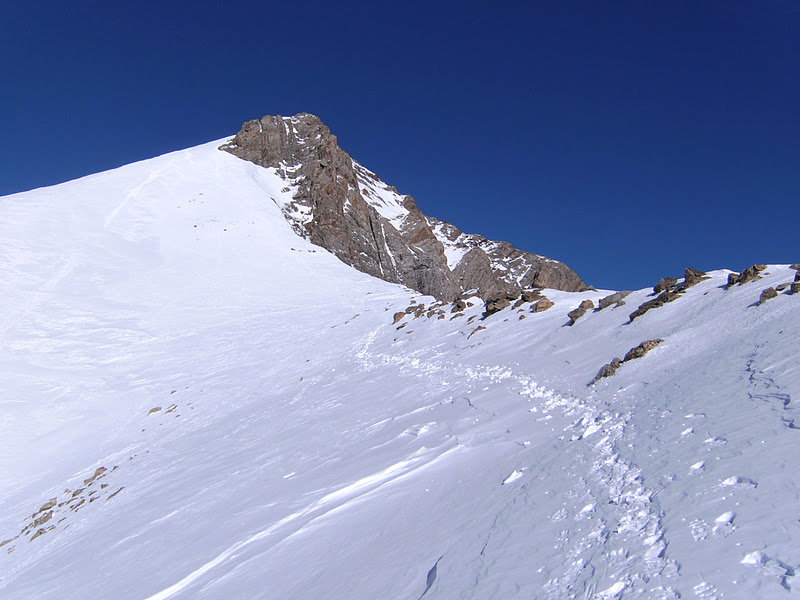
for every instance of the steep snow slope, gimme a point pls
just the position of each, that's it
(308, 447)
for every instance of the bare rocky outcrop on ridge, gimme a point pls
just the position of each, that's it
(749, 274)
(343, 207)
(668, 290)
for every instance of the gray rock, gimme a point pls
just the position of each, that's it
(616, 299)
(304, 151)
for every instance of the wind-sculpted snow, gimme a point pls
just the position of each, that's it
(199, 404)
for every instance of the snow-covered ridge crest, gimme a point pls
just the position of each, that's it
(344, 207)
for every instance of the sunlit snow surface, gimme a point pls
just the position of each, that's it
(306, 447)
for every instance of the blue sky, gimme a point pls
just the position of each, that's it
(628, 139)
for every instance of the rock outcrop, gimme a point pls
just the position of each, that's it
(617, 299)
(576, 314)
(767, 294)
(749, 274)
(343, 207)
(639, 351)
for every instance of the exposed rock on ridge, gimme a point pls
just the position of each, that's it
(343, 207)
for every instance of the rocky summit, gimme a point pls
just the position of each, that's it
(343, 207)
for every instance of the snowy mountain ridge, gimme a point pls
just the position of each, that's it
(198, 403)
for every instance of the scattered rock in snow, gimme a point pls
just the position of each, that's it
(616, 299)
(476, 330)
(576, 314)
(458, 306)
(98, 472)
(795, 288)
(692, 277)
(47, 505)
(665, 284)
(795, 266)
(498, 303)
(42, 519)
(767, 294)
(154, 410)
(782, 286)
(749, 274)
(642, 349)
(607, 370)
(397, 316)
(662, 299)
(542, 305)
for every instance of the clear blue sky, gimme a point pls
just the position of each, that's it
(628, 139)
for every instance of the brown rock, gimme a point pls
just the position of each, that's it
(496, 305)
(640, 350)
(665, 283)
(795, 288)
(458, 306)
(616, 298)
(542, 305)
(98, 472)
(48, 505)
(751, 273)
(40, 531)
(767, 294)
(334, 190)
(781, 287)
(476, 330)
(531, 295)
(797, 276)
(795, 266)
(576, 314)
(43, 519)
(733, 279)
(691, 277)
(657, 302)
(607, 370)
(154, 410)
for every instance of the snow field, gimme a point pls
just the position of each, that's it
(306, 447)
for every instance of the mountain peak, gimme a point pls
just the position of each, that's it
(346, 208)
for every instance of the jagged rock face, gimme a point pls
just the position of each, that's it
(345, 208)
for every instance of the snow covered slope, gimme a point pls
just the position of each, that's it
(197, 403)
